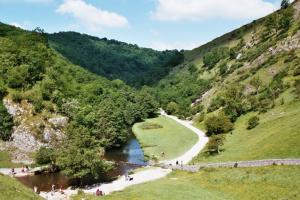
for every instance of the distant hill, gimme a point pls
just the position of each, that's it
(115, 60)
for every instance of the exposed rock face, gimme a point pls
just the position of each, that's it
(23, 139)
(59, 122)
(31, 132)
(287, 44)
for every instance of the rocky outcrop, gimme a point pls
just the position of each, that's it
(31, 132)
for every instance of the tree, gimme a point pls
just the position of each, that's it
(285, 4)
(81, 156)
(215, 142)
(45, 156)
(172, 108)
(6, 123)
(218, 124)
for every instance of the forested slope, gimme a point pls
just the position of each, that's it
(100, 112)
(115, 60)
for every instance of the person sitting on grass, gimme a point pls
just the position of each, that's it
(99, 192)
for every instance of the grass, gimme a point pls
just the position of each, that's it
(11, 189)
(277, 136)
(173, 139)
(5, 160)
(274, 182)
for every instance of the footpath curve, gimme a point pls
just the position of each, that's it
(146, 175)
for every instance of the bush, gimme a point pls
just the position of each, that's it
(214, 56)
(218, 124)
(214, 144)
(297, 71)
(253, 122)
(16, 96)
(6, 123)
(44, 156)
(3, 90)
(215, 104)
(148, 126)
(172, 108)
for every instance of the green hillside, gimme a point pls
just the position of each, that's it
(100, 111)
(245, 83)
(115, 60)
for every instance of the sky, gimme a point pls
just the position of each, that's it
(158, 24)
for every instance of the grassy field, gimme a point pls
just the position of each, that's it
(277, 136)
(173, 139)
(275, 182)
(11, 189)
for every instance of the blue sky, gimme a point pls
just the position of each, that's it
(159, 24)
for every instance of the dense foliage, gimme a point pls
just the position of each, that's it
(45, 156)
(6, 123)
(218, 124)
(101, 110)
(116, 60)
(176, 92)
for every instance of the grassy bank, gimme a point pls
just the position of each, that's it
(5, 160)
(163, 134)
(275, 182)
(11, 189)
(277, 136)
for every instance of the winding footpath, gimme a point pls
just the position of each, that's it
(145, 175)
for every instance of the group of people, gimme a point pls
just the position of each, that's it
(53, 190)
(25, 169)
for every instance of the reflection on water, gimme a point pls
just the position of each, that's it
(127, 158)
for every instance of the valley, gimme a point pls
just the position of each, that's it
(94, 110)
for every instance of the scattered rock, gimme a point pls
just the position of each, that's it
(59, 122)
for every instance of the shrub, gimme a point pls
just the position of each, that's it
(253, 122)
(6, 123)
(215, 104)
(44, 156)
(16, 96)
(199, 118)
(218, 124)
(172, 108)
(297, 71)
(214, 56)
(214, 143)
(3, 90)
(149, 125)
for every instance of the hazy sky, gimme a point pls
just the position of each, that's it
(159, 24)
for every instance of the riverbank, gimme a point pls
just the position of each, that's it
(143, 176)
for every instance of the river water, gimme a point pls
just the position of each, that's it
(128, 157)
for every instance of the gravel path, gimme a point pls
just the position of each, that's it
(143, 176)
(195, 150)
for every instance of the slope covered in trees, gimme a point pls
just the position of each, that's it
(100, 111)
(115, 60)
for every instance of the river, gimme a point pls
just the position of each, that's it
(128, 157)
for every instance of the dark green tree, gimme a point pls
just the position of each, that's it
(6, 123)
(285, 4)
